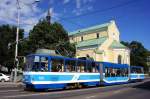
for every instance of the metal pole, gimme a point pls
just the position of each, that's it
(17, 37)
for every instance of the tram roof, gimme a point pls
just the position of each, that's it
(136, 67)
(60, 57)
(114, 65)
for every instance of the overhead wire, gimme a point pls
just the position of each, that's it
(94, 12)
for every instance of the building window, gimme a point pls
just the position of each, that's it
(119, 59)
(81, 38)
(114, 35)
(97, 35)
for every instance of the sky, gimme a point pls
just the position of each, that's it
(132, 16)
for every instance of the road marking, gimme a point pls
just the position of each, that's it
(25, 95)
(117, 92)
(90, 97)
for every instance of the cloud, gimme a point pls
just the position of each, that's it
(83, 6)
(8, 11)
(28, 23)
(29, 13)
(66, 1)
(78, 4)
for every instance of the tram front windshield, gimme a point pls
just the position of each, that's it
(37, 63)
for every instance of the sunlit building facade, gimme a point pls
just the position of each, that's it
(101, 42)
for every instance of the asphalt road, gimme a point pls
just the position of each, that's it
(140, 90)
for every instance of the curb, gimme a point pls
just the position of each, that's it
(11, 86)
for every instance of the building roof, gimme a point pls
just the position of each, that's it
(115, 44)
(96, 27)
(91, 42)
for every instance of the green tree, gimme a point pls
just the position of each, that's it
(50, 36)
(138, 54)
(7, 37)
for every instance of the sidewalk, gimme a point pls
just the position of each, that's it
(10, 85)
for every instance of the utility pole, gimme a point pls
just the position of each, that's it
(17, 39)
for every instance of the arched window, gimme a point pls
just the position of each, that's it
(97, 35)
(119, 59)
(114, 35)
(81, 38)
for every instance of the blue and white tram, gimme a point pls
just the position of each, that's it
(45, 71)
(137, 73)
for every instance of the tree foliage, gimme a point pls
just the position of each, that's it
(8, 37)
(44, 35)
(138, 54)
(50, 36)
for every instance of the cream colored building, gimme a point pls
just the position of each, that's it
(101, 42)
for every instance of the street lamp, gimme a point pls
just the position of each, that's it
(17, 37)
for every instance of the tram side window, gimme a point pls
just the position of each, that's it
(139, 70)
(133, 70)
(36, 66)
(29, 64)
(70, 65)
(97, 67)
(124, 72)
(111, 72)
(94, 67)
(107, 74)
(116, 72)
(89, 66)
(136, 70)
(57, 65)
(44, 63)
(81, 66)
